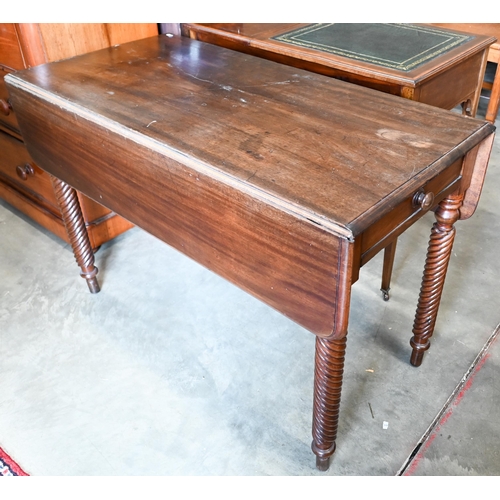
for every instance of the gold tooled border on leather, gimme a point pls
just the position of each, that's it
(450, 40)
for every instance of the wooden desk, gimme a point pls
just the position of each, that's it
(436, 66)
(282, 181)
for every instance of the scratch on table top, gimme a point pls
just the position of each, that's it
(251, 175)
(269, 84)
(228, 87)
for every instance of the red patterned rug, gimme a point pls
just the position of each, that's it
(8, 467)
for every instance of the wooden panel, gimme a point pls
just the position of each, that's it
(10, 53)
(91, 210)
(475, 165)
(466, 78)
(105, 228)
(494, 54)
(63, 40)
(122, 33)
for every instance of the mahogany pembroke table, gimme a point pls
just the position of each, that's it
(282, 181)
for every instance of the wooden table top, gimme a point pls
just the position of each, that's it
(331, 152)
(255, 37)
(488, 29)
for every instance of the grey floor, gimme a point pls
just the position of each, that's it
(171, 371)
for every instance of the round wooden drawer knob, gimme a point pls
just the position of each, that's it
(423, 200)
(24, 171)
(5, 107)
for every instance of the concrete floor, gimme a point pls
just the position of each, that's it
(171, 371)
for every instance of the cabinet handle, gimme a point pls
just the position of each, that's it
(423, 200)
(5, 107)
(24, 171)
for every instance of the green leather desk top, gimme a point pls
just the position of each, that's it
(392, 45)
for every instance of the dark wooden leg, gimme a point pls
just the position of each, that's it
(389, 254)
(467, 108)
(492, 110)
(329, 369)
(436, 265)
(77, 232)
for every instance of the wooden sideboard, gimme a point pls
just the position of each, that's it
(22, 183)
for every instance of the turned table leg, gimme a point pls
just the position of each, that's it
(329, 369)
(436, 265)
(77, 232)
(389, 254)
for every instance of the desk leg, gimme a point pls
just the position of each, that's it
(492, 110)
(77, 232)
(329, 369)
(436, 265)
(467, 108)
(389, 254)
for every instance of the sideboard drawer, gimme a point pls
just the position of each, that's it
(19, 171)
(7, 116)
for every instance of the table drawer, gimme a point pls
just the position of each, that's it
(19, 171)
(7, 116)
(392, 224)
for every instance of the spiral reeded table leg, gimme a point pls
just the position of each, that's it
(77, 232)
(436, 265)
(329, 369)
